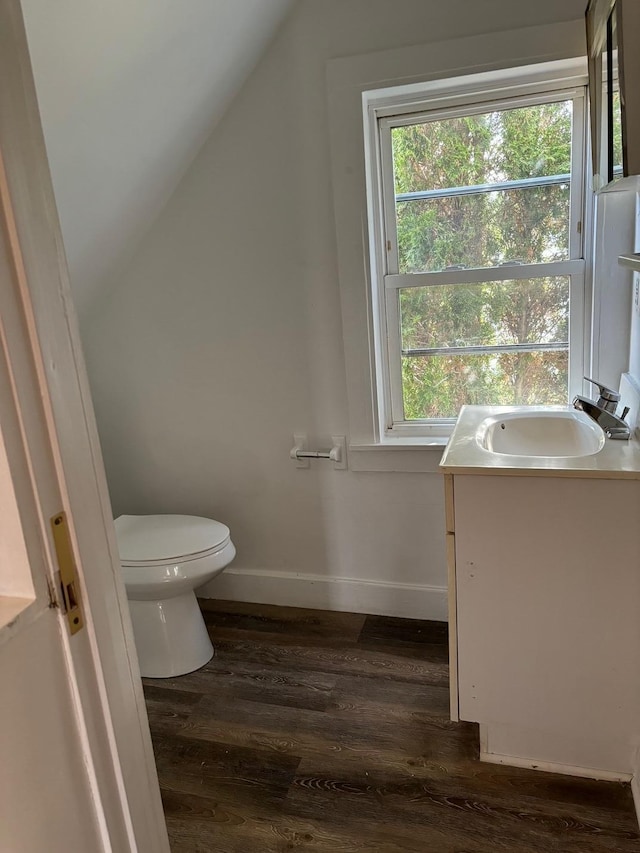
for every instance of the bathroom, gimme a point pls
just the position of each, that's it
(207, 286)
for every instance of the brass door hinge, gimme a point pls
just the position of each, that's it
(69, 585)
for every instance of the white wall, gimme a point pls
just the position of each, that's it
(224, 336)
(616, 314)
(128, 91)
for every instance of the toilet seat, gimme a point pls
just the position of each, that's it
(158, 540)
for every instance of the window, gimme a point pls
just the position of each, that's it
(476, 232)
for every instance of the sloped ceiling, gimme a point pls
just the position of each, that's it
(128, 92)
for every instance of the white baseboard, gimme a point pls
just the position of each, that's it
(554, 767)
(635, 790)
(590, 759)
(635, 784)
(319, 592)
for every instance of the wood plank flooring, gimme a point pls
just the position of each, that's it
(328, 732)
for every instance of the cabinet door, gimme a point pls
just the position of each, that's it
(547, 588)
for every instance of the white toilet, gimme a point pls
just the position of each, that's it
(164, 559)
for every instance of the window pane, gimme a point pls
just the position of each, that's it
(617, 134)
(484, 229)
(493, 313)
(614, 133)
(461, 164)
(437, 386)
(528, 314)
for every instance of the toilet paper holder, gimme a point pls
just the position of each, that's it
(336, 454)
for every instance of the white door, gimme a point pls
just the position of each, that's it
(76, 764)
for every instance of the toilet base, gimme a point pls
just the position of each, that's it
(170, 634)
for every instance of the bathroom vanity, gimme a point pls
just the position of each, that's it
(544, 600)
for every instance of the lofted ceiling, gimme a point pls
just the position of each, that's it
(128, 91)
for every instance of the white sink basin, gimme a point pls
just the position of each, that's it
(537, 433)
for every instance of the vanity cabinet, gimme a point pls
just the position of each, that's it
(544, 598)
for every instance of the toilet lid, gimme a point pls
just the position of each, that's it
(146, 538)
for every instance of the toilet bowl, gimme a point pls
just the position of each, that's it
(164, 559)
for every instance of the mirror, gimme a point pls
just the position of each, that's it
(614, 67)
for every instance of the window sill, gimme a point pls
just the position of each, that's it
(407, 443)
(417, 455)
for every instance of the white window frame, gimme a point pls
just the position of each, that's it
(384, 109)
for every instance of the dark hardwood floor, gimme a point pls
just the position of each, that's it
(314, 731)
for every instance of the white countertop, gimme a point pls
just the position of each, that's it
(464, 455)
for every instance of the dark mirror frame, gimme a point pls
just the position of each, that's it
(608, 22)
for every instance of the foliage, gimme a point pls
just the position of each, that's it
(526, 225)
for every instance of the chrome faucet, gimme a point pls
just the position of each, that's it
(603, 411)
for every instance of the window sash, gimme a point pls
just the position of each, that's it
(497, 186)
(395, 422)
(478, 275)
(487, 349)
(387, 183)
(390, 281)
